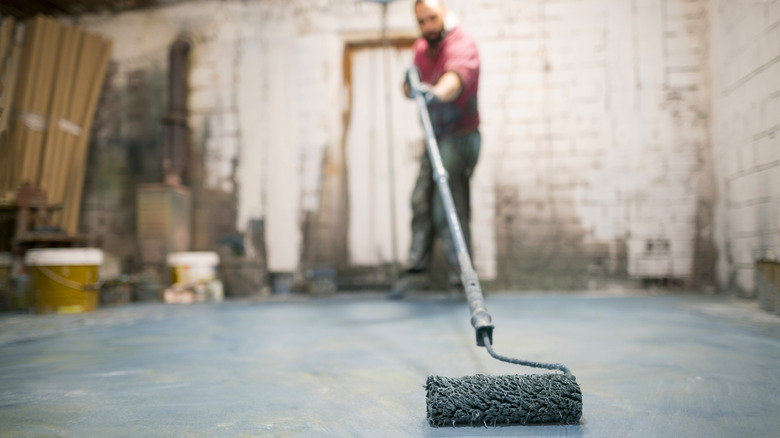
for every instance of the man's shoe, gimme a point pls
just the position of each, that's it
(412, 281)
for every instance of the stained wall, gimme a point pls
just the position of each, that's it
(597, 163)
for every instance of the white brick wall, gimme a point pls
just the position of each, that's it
(612, 123)
(745, 125)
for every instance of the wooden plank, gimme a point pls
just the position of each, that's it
(15, 138)
(57, 171)
(44, 94)
(36, 111)
(21, 102)
(87, 58)
(34, 52)
(6, 41)
(30, 50)
(72, 216)
(62, 81)
(65, 138)
(10, 69)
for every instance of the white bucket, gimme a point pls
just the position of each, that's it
(193, 266)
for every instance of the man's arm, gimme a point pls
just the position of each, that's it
(449, 87)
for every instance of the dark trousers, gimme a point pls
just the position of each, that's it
(459, 153)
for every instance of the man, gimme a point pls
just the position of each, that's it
(446, 56)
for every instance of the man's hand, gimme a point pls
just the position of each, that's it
(426, 90)
(447, 89)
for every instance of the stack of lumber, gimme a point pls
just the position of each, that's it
(10, 52)
(60, 77)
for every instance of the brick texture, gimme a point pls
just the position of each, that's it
(746, 145)
(615, 132)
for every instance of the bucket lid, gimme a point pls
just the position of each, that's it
(193, 258)
(64, 257)
(5, 259)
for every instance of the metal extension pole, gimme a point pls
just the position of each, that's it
(480, 318)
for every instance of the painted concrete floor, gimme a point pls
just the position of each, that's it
(354, 365)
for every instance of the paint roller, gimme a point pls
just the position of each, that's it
(549, 398)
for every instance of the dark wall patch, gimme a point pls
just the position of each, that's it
(539, 248)
(125, 150)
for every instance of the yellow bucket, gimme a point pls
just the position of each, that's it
(193, 266)
(64, 280)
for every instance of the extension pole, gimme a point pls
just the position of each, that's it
(480, 318)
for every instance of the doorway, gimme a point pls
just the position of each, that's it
(368, 156)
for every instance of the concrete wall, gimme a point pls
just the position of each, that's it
(596, 162)
(746, 136)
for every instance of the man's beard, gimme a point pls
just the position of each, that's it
(434, 38)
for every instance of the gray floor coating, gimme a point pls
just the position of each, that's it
(354, 365)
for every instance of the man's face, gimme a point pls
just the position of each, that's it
(430, 18)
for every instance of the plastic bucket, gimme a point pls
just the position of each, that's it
(64, 280)
(193, 267)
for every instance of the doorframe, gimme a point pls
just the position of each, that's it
(351, 48)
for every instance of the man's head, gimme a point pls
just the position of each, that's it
(430, 16)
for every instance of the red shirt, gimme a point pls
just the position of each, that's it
(456, 52)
